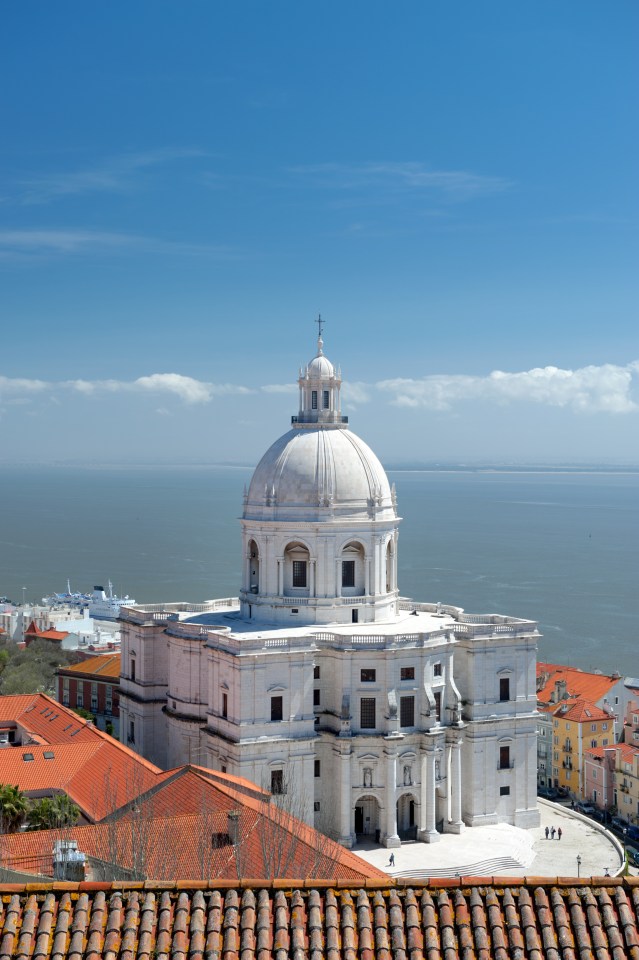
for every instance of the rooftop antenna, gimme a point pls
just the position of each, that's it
(320, 327)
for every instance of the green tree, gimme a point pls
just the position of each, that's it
(14, 808)
(53, 812)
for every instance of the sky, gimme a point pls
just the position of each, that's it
(184, 187)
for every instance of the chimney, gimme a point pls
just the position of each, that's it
(233, 825)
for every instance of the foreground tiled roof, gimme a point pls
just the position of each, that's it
(293, 920)
(106, 666)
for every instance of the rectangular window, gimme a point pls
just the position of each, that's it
(109, 696)
(131, 731)
(504, 758)
(316, 672)
(368, 676)
(277, 709)
(326, 399)
(316, 806)
(79, 697)
(367, 713)
(316, 698)
(132, 671)
(604, 726)
(225, 704)
(407, 673)
(348, 573)
(438, 706)
(437, 670)
(94, 696)
(299, 573)
(65, 691)
(318, 768)
(504, 689)
(314, 399)
(504, 791)
(407, 711)
(277, 781)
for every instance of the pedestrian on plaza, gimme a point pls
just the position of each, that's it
(391, 860)
(552, 833)
(547, 832)
(559, 833)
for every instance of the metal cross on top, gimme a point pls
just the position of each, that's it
(320, 325)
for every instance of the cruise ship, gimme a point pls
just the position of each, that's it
(106, 606)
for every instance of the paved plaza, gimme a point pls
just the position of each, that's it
(505, 851)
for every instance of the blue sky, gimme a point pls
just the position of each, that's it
(185, 185)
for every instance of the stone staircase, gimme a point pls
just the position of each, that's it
(484, 868)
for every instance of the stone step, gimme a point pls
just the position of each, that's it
(484, 868)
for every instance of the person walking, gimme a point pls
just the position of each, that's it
(547, 832)
(391, 860)
(552, 833)
(559, 833)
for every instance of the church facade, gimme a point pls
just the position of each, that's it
(368, 713)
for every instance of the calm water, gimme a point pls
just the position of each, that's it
(559, 548)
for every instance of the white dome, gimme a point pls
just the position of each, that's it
(318, 474)
(320, 368)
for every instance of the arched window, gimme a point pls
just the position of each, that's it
(353, 575)
(296, 570)
(253, 567)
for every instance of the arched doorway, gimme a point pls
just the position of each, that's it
(367, 819)
(407, 817)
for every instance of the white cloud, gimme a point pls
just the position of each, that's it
(403, 175)
(186, 388)
(592, 389)
(33, 243)
(114, 174)
(279, 388)
(21, 385)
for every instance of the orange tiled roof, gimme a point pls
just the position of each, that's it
(33, 630)
(579, 683)
(403, 920)
(106, 665)
(580, 711)
(45, 717)
(170, 847)
(97, 772)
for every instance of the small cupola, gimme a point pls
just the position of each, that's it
(320, 386)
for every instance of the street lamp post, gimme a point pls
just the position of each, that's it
(578, 865)
(24, 590)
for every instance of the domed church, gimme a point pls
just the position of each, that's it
(367, 713)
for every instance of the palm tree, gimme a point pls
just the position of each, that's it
(51, 812)
(14, 807)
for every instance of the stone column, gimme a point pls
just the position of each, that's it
(456, 824)
(247, 571)
(280, 576)
(392, 837)
(427, 831)
(312, 578)
(346, 838)
(367, 576)
(338, 578)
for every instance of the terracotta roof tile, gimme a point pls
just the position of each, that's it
(104, 666)
(507, 921)
(579, 683)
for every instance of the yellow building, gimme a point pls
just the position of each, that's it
(577, 726)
